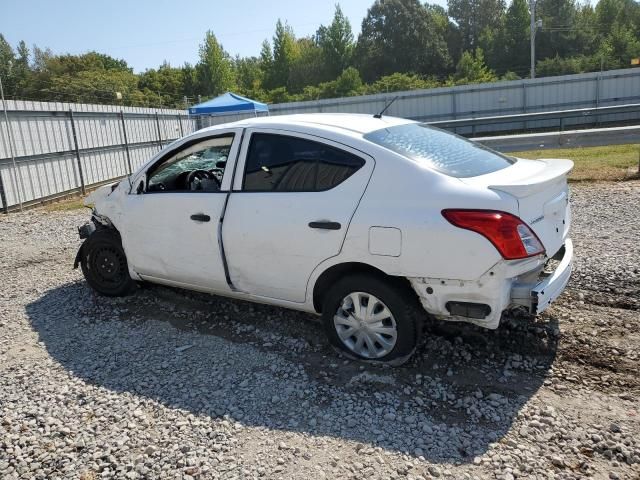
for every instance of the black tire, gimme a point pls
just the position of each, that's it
(402, 303)
(104, 264)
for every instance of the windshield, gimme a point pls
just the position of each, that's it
(443, 151)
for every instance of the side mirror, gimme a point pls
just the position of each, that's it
(221, 163)
(140, 188)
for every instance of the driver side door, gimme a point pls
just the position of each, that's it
(173, 211)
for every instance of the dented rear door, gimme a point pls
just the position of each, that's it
(275, 238)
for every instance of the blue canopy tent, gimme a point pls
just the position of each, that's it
(228, 103)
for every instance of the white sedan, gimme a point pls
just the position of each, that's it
(368, 221)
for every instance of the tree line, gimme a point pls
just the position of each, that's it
(403, 45)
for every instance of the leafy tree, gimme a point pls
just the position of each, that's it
(266, 65)
(215, 70)
(92, 86)
(562, 66)
(38, 77)
(68, 64)
(21, 67)
(166, 83)
(472, 69)
(400, 81)
(506, 45)
(348, 83)
(41, 57)
(620, 19)
(516, 35)
(310, 92)
(510, 76)
(278, 95)
(622, 12)
(401, 36)
(447, 29)
(7, 60)
(620, 46)
(492, 42)
(587, 35)
(473, 17)
(336, 43)
(558, 35)
(248, 75)
(284, 54)
(308, 66)
(189, 82)
(91, 77)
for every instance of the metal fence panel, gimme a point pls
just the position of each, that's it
(61, 147)
(469, 101)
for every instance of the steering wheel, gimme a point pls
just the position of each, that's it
(195, 177)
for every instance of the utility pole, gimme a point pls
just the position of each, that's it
(534, 25)
(10, 142)
(532, 36)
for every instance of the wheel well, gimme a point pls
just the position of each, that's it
(332, 274)
(102, 223)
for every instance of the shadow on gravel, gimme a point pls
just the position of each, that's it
(271, 368)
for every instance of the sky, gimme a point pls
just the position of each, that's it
(147, 32)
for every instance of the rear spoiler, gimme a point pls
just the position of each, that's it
(554, 171)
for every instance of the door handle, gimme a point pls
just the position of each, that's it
(325, 225)
(200, 217)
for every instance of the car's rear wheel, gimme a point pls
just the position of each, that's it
(372, 319)
(104, 264)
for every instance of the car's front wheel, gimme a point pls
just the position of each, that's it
(104, 264)
(372, 319)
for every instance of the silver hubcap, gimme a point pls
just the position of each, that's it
(365, 325)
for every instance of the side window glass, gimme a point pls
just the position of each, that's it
(334, 167)
(288, 164)
(196, 168)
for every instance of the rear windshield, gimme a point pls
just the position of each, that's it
(443, 151)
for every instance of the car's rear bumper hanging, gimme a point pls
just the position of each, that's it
(507, 285)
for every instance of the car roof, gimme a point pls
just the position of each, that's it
(346, 122)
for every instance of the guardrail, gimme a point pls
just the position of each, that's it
(527, 118)
(584, 90)
(568, 139)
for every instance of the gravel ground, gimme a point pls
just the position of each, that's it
(172, 384)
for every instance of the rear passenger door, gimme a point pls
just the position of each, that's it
(293, 198)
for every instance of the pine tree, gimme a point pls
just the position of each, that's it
(284, 54)
(336, 42)
(215, 70)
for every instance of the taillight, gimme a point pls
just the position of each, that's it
(509, 234)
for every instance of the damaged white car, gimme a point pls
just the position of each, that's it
(368, 221)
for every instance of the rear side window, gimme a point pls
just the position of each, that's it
(443, 151)
(280, 163)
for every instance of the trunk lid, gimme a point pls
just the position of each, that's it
(541, 190)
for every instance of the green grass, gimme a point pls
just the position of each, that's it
(612, 162)
(65, 205)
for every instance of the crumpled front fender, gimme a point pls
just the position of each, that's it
(98, 194)
(84, 232)
(78, 259)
